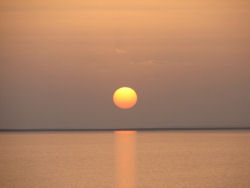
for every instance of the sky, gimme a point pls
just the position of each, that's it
(61, 61)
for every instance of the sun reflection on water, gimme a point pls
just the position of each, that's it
(125, 145)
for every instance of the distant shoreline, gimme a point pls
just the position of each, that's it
(127, 129)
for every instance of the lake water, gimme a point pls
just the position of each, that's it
(125, 159)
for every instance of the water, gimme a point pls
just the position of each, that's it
(125, 159)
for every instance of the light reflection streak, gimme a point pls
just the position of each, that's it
(125, 158)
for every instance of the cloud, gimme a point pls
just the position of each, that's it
(120, 51)
(153, 62)
(150, 62)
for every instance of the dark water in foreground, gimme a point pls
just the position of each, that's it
(125, 159)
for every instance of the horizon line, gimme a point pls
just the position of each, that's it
(125, 129)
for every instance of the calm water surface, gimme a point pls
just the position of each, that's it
(125, 159)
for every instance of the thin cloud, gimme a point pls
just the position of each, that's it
(150, 62)
(153, 62)
(120, 51)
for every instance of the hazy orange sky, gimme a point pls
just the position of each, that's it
(61, 61)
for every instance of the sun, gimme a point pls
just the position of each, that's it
(125, 97)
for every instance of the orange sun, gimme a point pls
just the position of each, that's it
(125, 98)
